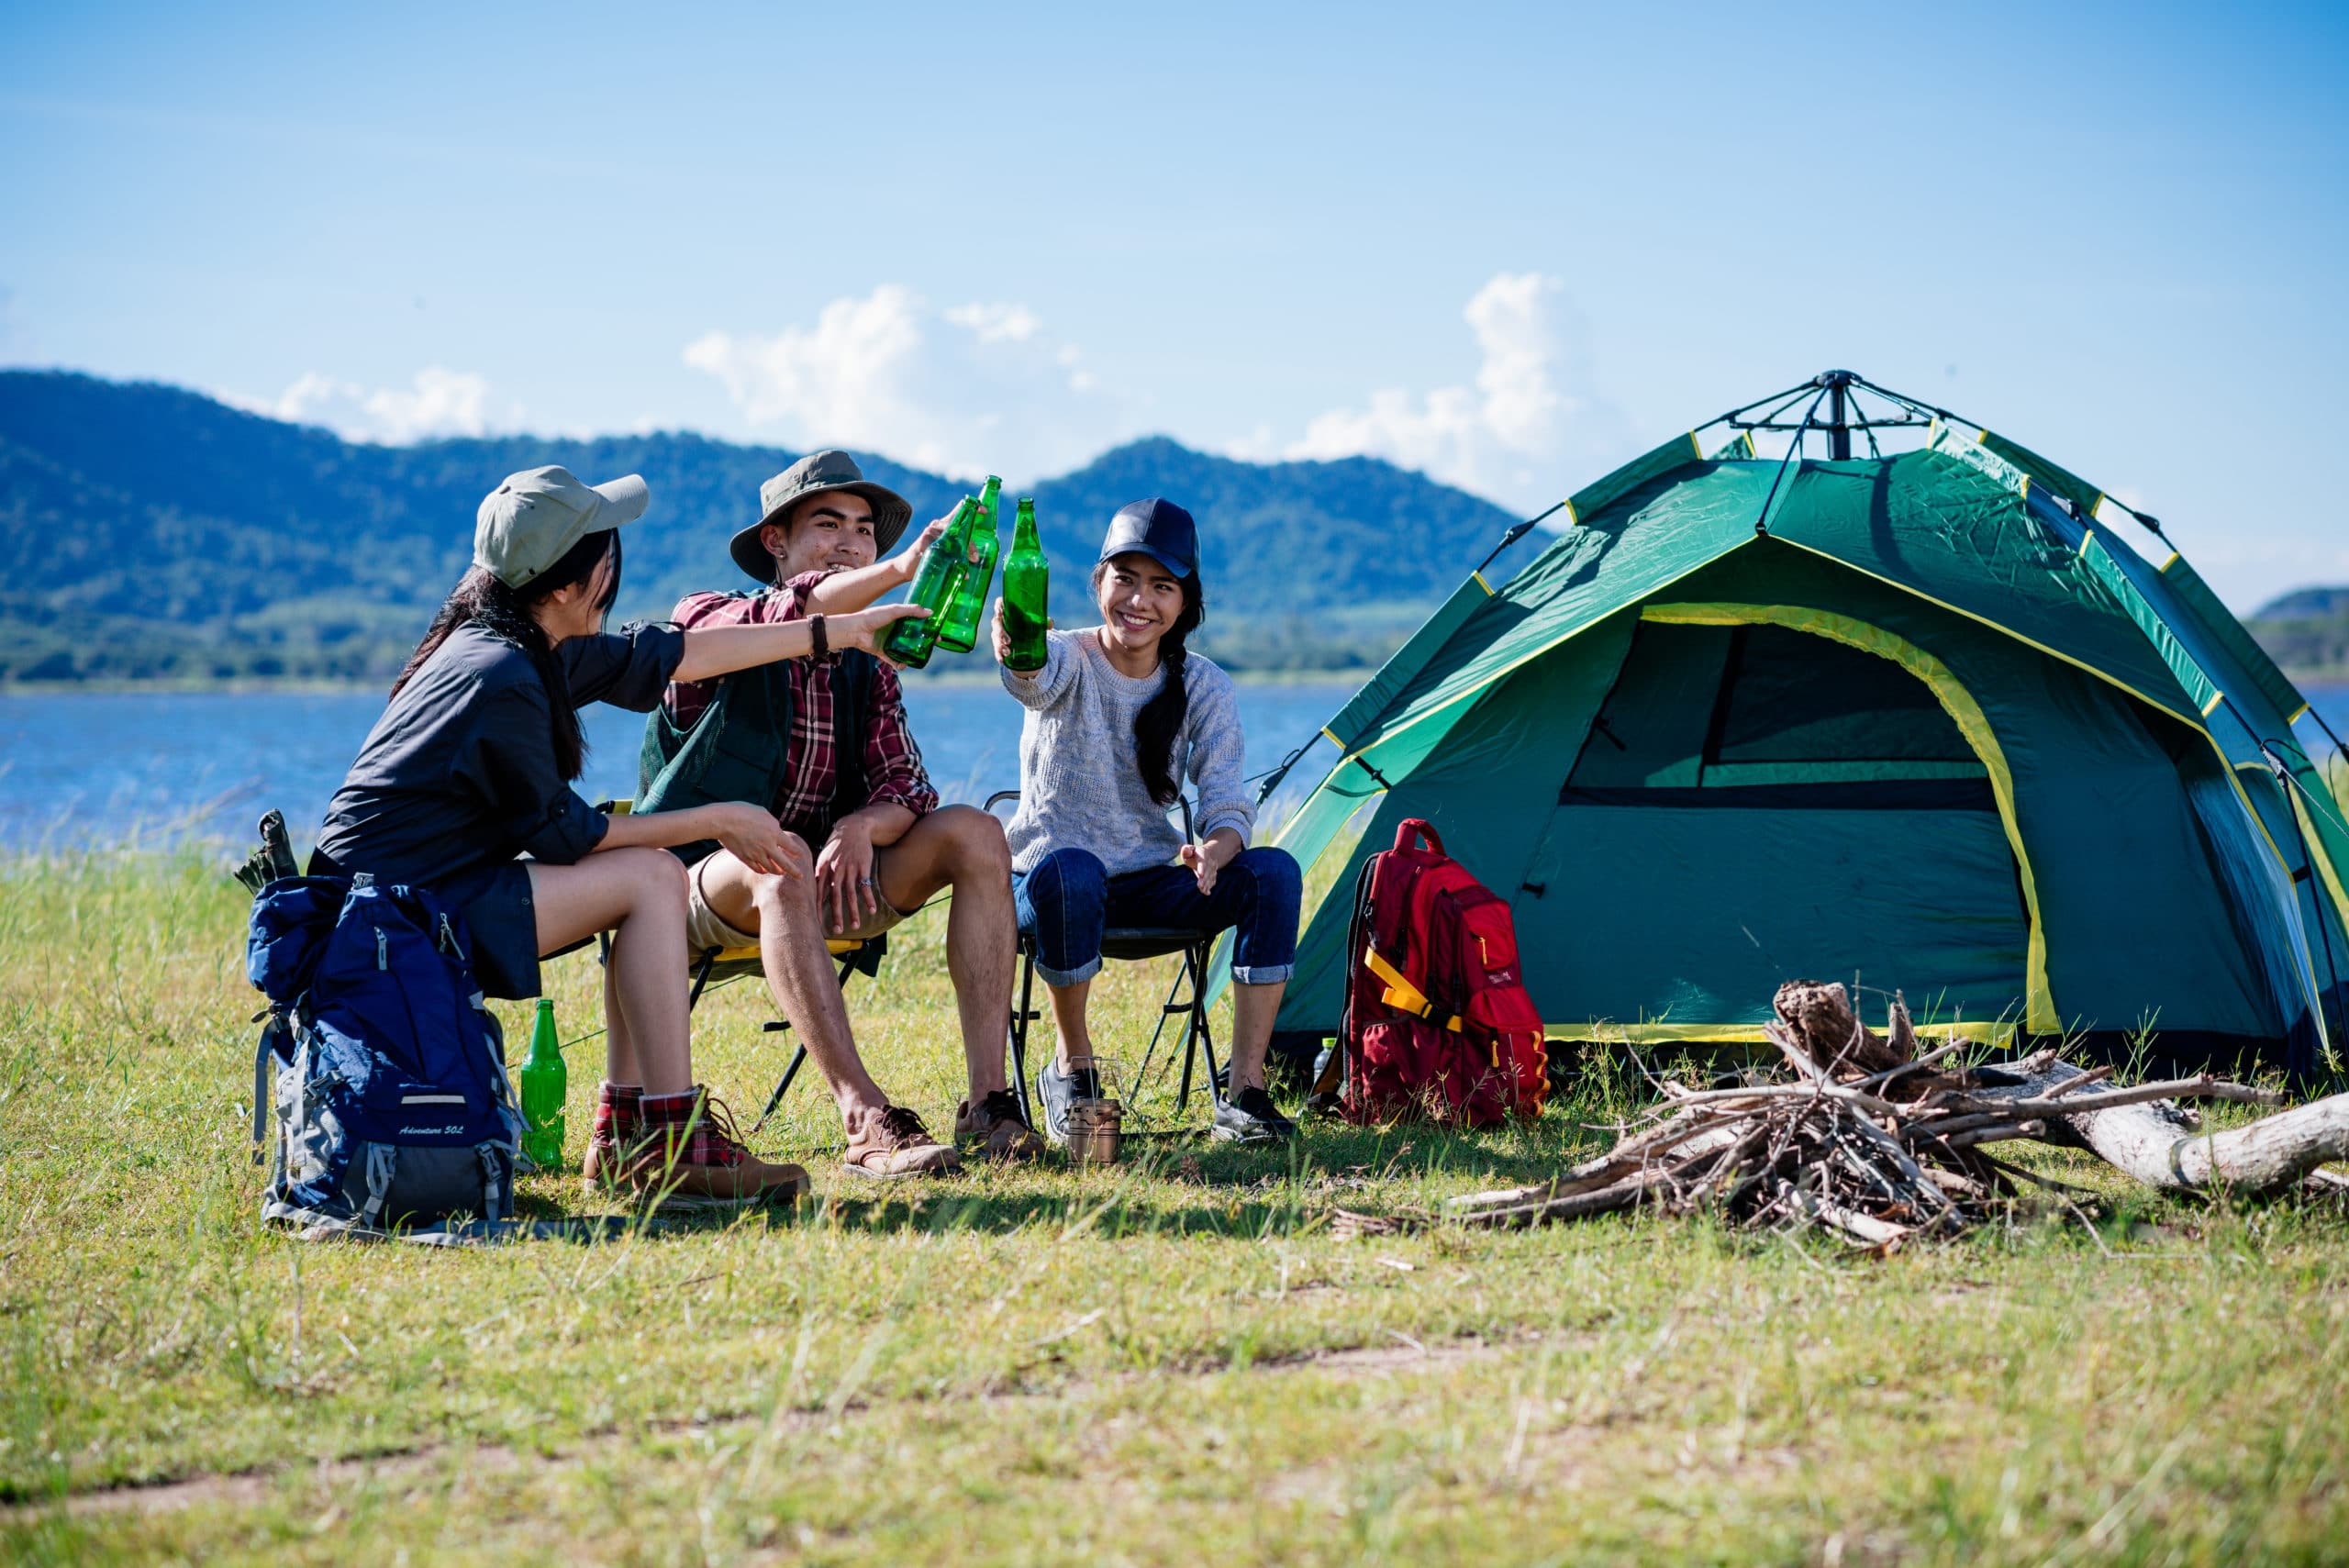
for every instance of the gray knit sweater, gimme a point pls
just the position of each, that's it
(1080, 786)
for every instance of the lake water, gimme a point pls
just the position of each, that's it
(152, 769)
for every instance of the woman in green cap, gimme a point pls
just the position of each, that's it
(472, 763)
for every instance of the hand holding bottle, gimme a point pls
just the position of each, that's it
(908, 562)
(1003, 648)
(863, 629)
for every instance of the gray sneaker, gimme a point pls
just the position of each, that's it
(1249, 1116)
(1055, 1090)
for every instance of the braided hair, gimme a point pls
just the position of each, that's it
(1161, 718)
(480, 599)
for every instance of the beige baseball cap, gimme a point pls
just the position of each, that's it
(533, 518)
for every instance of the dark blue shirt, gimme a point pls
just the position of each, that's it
(458, 773)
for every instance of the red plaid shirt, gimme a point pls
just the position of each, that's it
(893, 768)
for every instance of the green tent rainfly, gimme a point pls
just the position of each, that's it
(1921, 718)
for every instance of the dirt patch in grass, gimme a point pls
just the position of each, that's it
(403, 1468)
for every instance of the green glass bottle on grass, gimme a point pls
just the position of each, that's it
(545, 1085)
(958, 631)
(908, 642)
(1027, 592)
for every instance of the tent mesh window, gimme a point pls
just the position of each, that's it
(1768, 717)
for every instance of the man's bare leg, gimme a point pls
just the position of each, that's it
(963, 847)
(783, 911)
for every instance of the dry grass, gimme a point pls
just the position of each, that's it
(1174, 1361)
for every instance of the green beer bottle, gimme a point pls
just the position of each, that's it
(908, 642)
(958, 631)
(1026, 592)
(545, 1085)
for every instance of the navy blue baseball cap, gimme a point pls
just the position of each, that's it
(1160, 530)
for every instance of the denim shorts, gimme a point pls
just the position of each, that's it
(1068, 899)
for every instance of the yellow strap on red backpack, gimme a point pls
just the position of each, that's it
(1401, 992)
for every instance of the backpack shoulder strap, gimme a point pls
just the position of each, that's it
(851, 705)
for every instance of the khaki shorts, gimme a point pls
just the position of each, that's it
(705, 929)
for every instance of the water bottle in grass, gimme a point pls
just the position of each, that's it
(545, 1085)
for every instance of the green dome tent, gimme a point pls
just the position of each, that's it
(1921, 718)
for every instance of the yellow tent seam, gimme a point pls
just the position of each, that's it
(1960, 704)
(2004, 631)
(2217, 697)
(1987, 1031)
(1514, 665)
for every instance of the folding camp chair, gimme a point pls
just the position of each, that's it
(1130, 944)
(723, 965)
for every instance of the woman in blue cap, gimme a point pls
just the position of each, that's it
(1119, 715)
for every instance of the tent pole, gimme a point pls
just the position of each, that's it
(1839, 419)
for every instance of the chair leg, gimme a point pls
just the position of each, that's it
(1022, 1015)
(701, 978)
(778, 1026)
(783, 1087)
(1196, 1037)
(1199, 1035)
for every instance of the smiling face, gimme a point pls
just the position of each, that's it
(1139, 602)
(825, 533)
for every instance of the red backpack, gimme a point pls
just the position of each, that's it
(1437, 1019)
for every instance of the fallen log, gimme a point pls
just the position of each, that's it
(2159, 1143)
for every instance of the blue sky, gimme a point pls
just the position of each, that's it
(1507, 244)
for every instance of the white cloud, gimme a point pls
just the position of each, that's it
(440, 403)
(1524, 433)
(972, 389)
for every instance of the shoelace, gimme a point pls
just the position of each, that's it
(1257, 1103)
(905, 1125)
(725, 1139)
(1003, 1106)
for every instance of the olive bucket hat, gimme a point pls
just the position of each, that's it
(813, 476)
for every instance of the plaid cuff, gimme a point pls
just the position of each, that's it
(680, 1129)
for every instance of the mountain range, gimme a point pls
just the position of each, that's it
(152, 532)
(148, 532)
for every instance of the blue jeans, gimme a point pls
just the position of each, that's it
(1069, 898)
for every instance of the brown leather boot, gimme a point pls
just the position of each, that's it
(619, 1123)
(691, 1157)
(997, 1125)
(892, 1143)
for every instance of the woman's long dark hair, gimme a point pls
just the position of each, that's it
(480, 599)
(1161, 718)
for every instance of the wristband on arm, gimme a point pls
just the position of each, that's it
(818, 644)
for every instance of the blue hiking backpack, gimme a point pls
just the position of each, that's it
(380, 1067)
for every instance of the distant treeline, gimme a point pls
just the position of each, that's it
(150, 533)
(2307, 631)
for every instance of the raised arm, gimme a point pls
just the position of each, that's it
(722, 650)
(845, 591)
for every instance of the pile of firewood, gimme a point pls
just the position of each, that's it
(1878, 1141)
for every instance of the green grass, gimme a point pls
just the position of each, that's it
(1173, 1361)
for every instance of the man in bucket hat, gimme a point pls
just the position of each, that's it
(824, 743)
